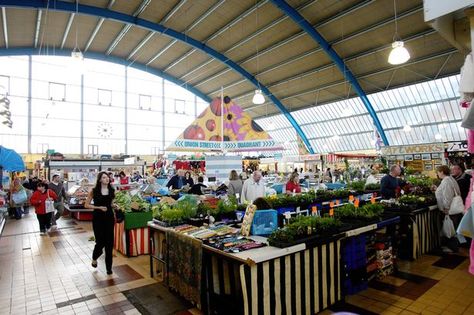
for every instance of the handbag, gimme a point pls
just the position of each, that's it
(448, 227)
(49, 204)
(468, 119)
(19, 197)
(457, 205)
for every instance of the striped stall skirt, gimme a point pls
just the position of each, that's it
(426, 235)
(305, 282)
(134, 244)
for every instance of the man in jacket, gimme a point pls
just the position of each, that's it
(390, 184)
(463, 179)
(57, 186)
(177, 181)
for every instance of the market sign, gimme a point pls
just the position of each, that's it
(129, 161)
(457, 146)
(180, 144)
(412, 149)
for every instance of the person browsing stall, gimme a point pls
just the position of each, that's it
(196, 189)
(235, 184)
(390, 184)
(293, 186)
(177, 181)
(253, 188)
(188, 180)
(103, 219)
(463, 179)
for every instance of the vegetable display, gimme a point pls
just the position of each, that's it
(123, 201)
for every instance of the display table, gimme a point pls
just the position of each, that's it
(131, 235)
(81, 214)
(419, 232)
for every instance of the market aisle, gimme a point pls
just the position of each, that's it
(52, 274)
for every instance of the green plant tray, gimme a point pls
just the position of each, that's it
(136, 220)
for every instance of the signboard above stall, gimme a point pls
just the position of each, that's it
(456, 146)
(413, 149)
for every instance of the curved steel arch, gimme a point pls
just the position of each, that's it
(103, 57)
(129, 19)
(308, 28)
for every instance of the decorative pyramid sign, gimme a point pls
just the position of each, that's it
(240, 132)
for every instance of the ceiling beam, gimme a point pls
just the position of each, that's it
(68, 28)
(127, 27)
(247, 38)
(188, 29)
(348, 59)
(159, 28)
(38, 26)
(362, 76)
(113, 59)
(5, 29)
(315, 50)
(164, 20)
(97, 28)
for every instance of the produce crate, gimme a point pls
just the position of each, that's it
(135, 220)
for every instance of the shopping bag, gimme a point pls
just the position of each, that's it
(19, 197)
(457, 206)
(468, 119)
(448, 227)
(49, 205)
(466, 226)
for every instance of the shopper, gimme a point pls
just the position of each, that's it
(235, 184)
(18, 197)
(177, 181)
(328, 175)
(38, 200)
(188, 180)
(293, 186)
(57, 186)
(463, 179)
(103, 219)
(124, 181)
(136, 176)
(390, 183)
(196, 189)
(253, 188)
(445, 193)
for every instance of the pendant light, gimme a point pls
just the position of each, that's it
(399, 53)
(76, 54)
(258, 98)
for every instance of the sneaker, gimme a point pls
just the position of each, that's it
(94, 263)
(109, 272)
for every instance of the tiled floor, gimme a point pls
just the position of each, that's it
(52, 275)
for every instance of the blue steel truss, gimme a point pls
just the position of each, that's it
(151, 26)
(314, 34)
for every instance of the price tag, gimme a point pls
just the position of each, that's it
(331, 212)
(356, 203)
(314, 209)
(372, 200)
(287, 215)
(331, 204)
(338, 202)
(351, 198)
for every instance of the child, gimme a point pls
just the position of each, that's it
(38, 200)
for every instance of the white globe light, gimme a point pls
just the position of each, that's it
(271, 126)
(399, 54)
(407, 128)
(258, 97)
(438, 136)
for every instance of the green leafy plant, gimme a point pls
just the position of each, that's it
(341, 193)
(357, 185)
(123, 201)
(372, 187)
(227, 205)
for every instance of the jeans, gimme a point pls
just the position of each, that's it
(44, 221)
(59, 206)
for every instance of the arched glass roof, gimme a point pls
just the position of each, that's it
(430, 108)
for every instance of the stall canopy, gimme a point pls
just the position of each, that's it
(10, 160)
(239, 131)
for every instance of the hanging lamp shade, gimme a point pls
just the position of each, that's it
(258, 98)
(399, 53)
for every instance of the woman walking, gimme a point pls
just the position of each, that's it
(103, 219)
(38, 200)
